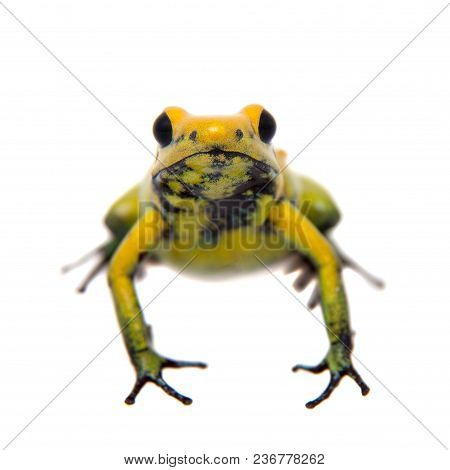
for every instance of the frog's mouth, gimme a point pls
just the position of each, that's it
(214, 176)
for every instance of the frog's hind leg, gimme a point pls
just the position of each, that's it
(308, 273)
(346, 262)
(119, 219)
(315, 203)
(350, 263)
(105, 252)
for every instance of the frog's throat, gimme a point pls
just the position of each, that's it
(213, 176)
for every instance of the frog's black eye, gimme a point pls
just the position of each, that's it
(162, 130)
(267, 127)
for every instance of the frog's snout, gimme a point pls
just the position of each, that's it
(216, 174)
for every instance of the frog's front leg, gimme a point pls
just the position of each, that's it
(305, 237)
(147, 362)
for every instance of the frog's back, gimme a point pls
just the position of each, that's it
(313, 200)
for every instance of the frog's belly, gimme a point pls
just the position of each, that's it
(233, 251)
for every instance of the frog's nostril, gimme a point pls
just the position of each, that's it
(239, 134)
(193, 136)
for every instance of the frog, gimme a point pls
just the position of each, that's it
(219, 198)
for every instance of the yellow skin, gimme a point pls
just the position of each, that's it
(215, 200)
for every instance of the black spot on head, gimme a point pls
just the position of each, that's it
(179, 139)
(239, 134)
(193, 136)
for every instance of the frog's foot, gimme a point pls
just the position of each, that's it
(348, 262)
(105, 252)
(339, 366)
(149, 366)
(308, 274)
(306, 267)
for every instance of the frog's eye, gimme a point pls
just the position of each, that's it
(266, 127)
(162, 130)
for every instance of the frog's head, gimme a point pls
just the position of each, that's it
(214, 157)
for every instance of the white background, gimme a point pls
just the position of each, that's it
(64, 159)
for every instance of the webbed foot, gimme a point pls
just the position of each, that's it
(149, 366)
(338, 362)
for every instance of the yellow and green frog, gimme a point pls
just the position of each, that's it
(219, 198)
